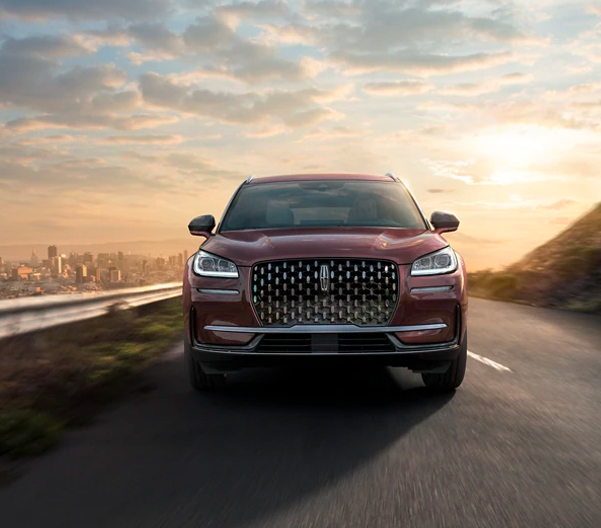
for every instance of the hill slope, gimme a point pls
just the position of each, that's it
(563, 273)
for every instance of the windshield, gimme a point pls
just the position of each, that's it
(322, 204)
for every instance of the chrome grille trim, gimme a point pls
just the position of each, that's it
(323, 329)
(432, 289)
(217, 292)
(325, 291)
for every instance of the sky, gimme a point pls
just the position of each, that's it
(123, 120)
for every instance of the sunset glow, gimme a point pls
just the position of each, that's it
(120, 121)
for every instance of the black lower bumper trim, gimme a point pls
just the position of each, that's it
(420, 359)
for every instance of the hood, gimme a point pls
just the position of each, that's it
(402, 246)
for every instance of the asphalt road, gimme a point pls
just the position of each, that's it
(519, 444)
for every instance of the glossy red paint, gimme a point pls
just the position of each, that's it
(313, 177)
(413, 307)
(402, 246)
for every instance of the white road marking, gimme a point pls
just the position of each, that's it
(488, 362)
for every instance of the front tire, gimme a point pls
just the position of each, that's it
(453, 377)
(199, 379)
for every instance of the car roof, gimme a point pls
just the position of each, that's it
(320, 177)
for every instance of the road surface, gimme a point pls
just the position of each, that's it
(518, 445)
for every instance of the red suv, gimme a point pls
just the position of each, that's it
(320, 269)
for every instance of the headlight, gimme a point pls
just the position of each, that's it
(207, 265)
(443, 261)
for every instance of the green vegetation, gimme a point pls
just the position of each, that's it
(564, 273)
(27, 432)
(61, 376)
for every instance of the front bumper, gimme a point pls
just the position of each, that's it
(419, 358)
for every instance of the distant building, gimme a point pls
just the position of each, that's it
(185, 256)
(115, 275)
(1, 261)
(81, 274)
(24, 272)
(56, 264)
(102, 275)
(103, 260)
(88, 258)
(180, 260)
(34, 259)
(52, 252)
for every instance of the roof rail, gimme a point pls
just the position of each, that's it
(389, 174)
(250, 178)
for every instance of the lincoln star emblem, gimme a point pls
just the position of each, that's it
(324, 277)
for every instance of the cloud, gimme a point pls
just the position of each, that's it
(435, 190)
(213, 42)
(78, 97)
(264, 9)
(333, 8)
(334, 132)
(294, 108)
(151, 139)
(468, 171)
(94, 121)
(486, 86)
(47, 46)
(51, 139)
(393, 25)
(419, 38)
(293, 33)
(31, 80)
(267, 131)
(417, 63)
(397, 88)
(157, 38)
(83, 175)
(559, 204)
(85, 9)
(187, 164)
(241, 58)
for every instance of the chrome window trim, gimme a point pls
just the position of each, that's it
(323, 329)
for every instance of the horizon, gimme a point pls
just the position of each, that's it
(195, 241)
(133, 121)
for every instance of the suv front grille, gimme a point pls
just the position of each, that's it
(362, 292)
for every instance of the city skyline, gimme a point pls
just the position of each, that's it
(56, 272)
(159, 248)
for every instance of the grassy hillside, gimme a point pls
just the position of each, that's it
(563, 273)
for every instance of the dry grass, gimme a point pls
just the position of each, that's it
(63, 375)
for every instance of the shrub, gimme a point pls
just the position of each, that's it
(502, 286)
(27, 432)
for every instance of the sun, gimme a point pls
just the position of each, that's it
(520, 146)
(520, 153)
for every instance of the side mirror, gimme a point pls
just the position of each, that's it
(202, 226)
(444, 222)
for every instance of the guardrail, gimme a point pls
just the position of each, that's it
(23, 315)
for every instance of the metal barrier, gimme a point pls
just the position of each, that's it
(22, 315)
